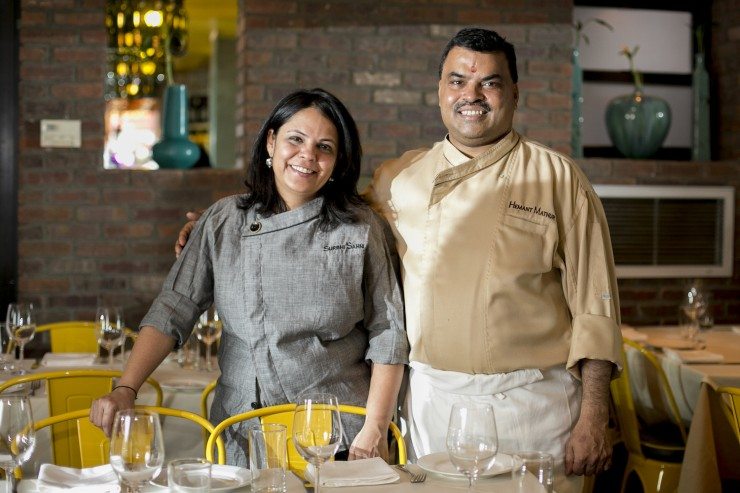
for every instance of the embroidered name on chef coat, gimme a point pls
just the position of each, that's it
(534, 209)
(344, 246)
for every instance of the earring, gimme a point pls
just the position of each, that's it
(268, 162)
(331, 179)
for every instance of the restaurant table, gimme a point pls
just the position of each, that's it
(434, 484)
(712, 450)
(181, 389)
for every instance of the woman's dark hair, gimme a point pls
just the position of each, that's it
(341, 199)
(482, 41)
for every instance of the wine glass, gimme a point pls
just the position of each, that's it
(136, 447)
(317, 429)
(472, 441)
(109, 327)
(20, 324)
(17, 435)
(208, 330)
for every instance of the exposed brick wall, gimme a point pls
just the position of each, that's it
(726, 63)
(655, 301)
(89, 235)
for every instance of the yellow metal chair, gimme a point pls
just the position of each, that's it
(68, 337)
(70, 390)
(94, 445)
(731, 407)
(204, 398)
(656, 464)
(77, 336)
(283, 414)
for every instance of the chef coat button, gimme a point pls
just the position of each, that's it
(255, 226)
(255, 405)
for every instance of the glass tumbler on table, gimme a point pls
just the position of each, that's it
(472, 440)
(20, 324)
(208, 330)
(136, 447)
(189, 476)
(532, 467)
(317, 430)
(17, 435)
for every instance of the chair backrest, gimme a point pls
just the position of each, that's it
(674, 413)
(283, 414)
(204, 398)
(624, 407)
(93, 444)
(731, 407)
(70, 390)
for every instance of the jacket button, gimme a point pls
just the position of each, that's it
(255, 226)
(255, 405)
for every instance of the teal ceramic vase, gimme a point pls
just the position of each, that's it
(638, 124)
(700, 148)
(576, 122)
(175, 150)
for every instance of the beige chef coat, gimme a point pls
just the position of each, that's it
(506, 258)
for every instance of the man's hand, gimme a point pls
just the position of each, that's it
(104, 409)
(184, 234)
(370, 442)
(588, 450)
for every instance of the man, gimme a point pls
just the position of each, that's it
(508, 275)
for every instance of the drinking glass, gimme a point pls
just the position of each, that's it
(268, 457)
(472, 440)
(136, 447)
(17, 435)
(109, 329)
(189, 476)
(208, 330)
(317, 429)
(20, 324)
(532, 466)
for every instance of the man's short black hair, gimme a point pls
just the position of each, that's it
(484, 41)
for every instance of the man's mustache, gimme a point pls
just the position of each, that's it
(480, 103)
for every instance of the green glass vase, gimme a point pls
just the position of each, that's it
(638, 124)
(175, 150)
(700, 148)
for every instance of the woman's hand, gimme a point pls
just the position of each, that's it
(371, 441)
(104, 409)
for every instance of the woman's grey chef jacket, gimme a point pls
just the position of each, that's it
(302, 309)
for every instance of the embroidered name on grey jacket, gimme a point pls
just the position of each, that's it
(344, 246)
(533, 209)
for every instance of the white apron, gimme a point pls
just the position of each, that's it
(534, 410)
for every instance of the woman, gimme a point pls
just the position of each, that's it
(302, 278)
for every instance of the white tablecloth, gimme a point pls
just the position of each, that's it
(712, 450)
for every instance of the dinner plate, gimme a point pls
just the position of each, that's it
(439, 463)
(223, 478)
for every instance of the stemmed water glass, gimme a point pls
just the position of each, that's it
(208, 330)
(136, 447)
(472, 440)
(109, 329)
(317, 429)
(20, 324)
(17, 437)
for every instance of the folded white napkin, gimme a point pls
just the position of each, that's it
(693, 356)
(68, 359)
(362, 472)
(101, 479)
(632, 334)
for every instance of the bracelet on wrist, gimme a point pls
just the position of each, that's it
(136, 393)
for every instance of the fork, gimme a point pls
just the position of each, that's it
(415, 477)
